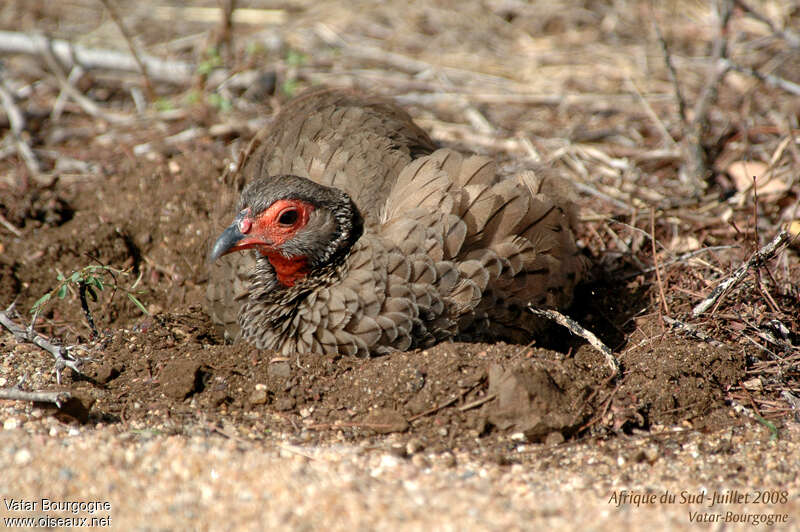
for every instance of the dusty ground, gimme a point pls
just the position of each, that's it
(175, 429)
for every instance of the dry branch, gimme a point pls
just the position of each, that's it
(695, 169)
(8, 225)
(70, 55)
(66, 87)
(578, 330)
(451, 96)
(757, 259)
(15, 394)
(769, 79)
(673, 74)
(17, 121)
(680, 258)
(792, 38)
(63, 358)
(691, 330)
(112, 10)
(655, 260)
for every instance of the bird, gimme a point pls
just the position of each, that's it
(355, 234)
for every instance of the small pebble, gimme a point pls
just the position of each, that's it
(447, 460)
(22, 457)
(398, 450)
(258, 397)
(420, 461)
(554, 438)
(414, 445)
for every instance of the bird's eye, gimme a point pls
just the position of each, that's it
(288, 217)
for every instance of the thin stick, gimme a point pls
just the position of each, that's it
(757, 272)
(477, 402)
(655, 261)
(15, 394)
(691, 330)
(757, 259)
(769, 79)
(62, 98)
(82, 287)
(225, 32)
(112, 10)
(8, 225)
(695, 169)
(363, 50)
(85, 103)
(680, 258)
(589, 189)
(792, 38)
(673, 75)
(578, 330)
(434, 409)
(648, 109)
(69, 55)
(17, 122)
(63, 358)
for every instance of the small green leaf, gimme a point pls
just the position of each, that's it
(255, 47)
(98, 282)
(39, 302)
(62, 291)
(133, 286)
(75, 277)
(295, 58)
(60, 276)
(213, 60)
(289, 87)
(138, 303)
(220, 102)
(192, 97)
(163, 104)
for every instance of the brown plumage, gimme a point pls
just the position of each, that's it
(367, 239)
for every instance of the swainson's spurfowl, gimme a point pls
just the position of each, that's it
(357, 236)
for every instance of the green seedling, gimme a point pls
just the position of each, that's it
(88, 281)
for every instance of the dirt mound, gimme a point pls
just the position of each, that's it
(152, 220)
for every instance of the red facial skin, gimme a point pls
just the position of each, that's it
(267, 233)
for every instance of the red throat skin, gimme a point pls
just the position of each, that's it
(289, 271)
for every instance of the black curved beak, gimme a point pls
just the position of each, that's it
(227, 241)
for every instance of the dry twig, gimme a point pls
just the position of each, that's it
(8, 225)
(578, 330)
(17, 121)
(792, 38)
(69, 55)
(691, 330)
(756, 260)
(695, 169)
(477, 402)
(680, 258)
(673, 75)
(770, 79)
(15, 394)
(86, 103)
(655, 261)
(63, 358)
(112, 10)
